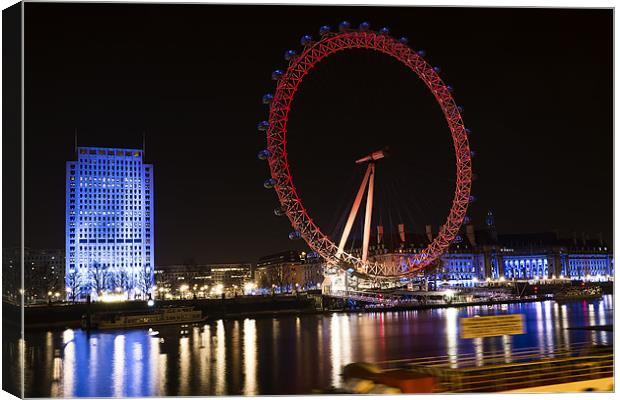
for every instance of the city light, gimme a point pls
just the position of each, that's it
(100, 173)
(112, 298)
(248, 287)
(400, 310)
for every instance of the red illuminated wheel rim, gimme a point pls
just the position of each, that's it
(291, 203)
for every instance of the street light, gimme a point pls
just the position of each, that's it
(183, 288)
(248, 287)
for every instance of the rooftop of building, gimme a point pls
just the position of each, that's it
(109, 151)
(469, 239)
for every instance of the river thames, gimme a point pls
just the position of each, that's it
(282, 355)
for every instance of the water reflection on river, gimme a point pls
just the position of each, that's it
(284, 355)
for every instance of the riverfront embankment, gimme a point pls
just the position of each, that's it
(69, 315)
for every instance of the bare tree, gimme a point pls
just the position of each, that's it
(74, 283)
(262, 279)
(99, 276)
(280, 275)
(145, 281)
(121, 280)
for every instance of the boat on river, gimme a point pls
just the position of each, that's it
(579, 293)
(136, 319)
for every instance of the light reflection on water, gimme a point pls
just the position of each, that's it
(249, 357)
(283, 355)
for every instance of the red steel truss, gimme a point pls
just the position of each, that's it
(291, 203)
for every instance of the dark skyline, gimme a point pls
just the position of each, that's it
(536, 86)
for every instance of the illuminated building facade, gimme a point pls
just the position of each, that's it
(289, 271)
(202, 280)
(43, 274)
(109, 225)
(482, 254)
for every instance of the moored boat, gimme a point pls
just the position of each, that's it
(579, 293)
(136, 319)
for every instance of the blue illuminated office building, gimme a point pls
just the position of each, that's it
(109, 225)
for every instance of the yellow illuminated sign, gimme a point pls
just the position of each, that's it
(496, 325)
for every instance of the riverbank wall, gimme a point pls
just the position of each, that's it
(69, 315)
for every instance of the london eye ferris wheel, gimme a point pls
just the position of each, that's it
(291, 205)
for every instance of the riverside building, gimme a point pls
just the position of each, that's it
(483, 254)
(475, 256)
(109, 225)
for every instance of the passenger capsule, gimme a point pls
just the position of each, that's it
(437, 69)
(450, 88)
(312, 254)
(325, 29)
(264, 154)
(458, 239)
(344, 25)
(421, 53)
(364, 26)
(384, 31)
(268, 98)
(305, 40)
(277, 74)
(468, 131)
(295, 235)
(472, 154)
(279, 211)
(263, 125)
(472, 198)
(289, 54)
(269, 183)
(466, 220)
(460, 108)
(403, 40)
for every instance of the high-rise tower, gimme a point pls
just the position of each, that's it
(109, 225)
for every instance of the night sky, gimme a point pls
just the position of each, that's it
(536, 86)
